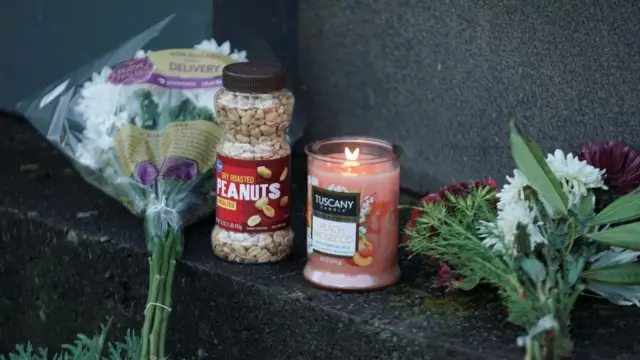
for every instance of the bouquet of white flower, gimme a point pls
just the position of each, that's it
(543, 248)
(141, 126)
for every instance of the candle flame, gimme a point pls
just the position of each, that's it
(352, 156)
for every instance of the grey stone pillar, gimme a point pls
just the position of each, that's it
(443, 78)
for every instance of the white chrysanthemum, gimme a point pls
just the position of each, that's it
(105, 107)
(501, 233)
(224, 49)
(512, 192)
(203, 97)
(617, 294)
(576, 176)
(99, 103)
(95, 149)
(100, 99)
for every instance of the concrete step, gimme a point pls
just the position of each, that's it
(61, 274)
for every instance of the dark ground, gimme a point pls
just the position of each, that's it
(61, 274)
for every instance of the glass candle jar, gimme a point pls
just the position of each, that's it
(352, 213)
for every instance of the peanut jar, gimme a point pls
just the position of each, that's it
(253, 165)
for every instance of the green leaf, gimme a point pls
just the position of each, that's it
(620, 274)
(574, 269)
(624, 236)
(530, 160)
(587, 204)
(622, 209)
(534, 269)
(521, 239)
(468, 283)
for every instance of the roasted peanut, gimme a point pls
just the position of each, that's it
(254, 125)
(284, 201)
(261, 203)
(284, 174)
(264, 172)
(244, 248)
(268, 211)
(254, 220)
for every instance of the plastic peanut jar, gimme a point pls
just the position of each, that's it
(253, 165)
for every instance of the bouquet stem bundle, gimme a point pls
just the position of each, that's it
(162, 267)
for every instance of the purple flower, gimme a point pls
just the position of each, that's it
(146, 173)
(621, 162)
(178, 169)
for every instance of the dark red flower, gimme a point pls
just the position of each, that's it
(621, 162)
(446, 278)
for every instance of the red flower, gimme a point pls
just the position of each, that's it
(446, 278)
(621, 162)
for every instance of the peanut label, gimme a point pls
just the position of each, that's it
(252, 195)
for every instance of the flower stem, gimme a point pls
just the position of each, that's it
(161, 308)
(168, 302)
(154, 280)
(549, 345)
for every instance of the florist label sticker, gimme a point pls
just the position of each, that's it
(132, 71)
(179, 152)
(253, 195)
(334, 222)
(188, 68)
(173, 68)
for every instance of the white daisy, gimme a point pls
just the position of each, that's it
(224, 49)
(512, 192)
(95, 149)
(500, 235)
(105, 107)
(576, 176)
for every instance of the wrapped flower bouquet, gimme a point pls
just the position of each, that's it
(141, 126)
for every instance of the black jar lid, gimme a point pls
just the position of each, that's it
(253, 77)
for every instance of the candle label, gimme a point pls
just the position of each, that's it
(252, 195)
(334, 222)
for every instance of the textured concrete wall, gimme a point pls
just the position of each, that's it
(441, 78)
(42, 40)
(444, 77)
(268, 29)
